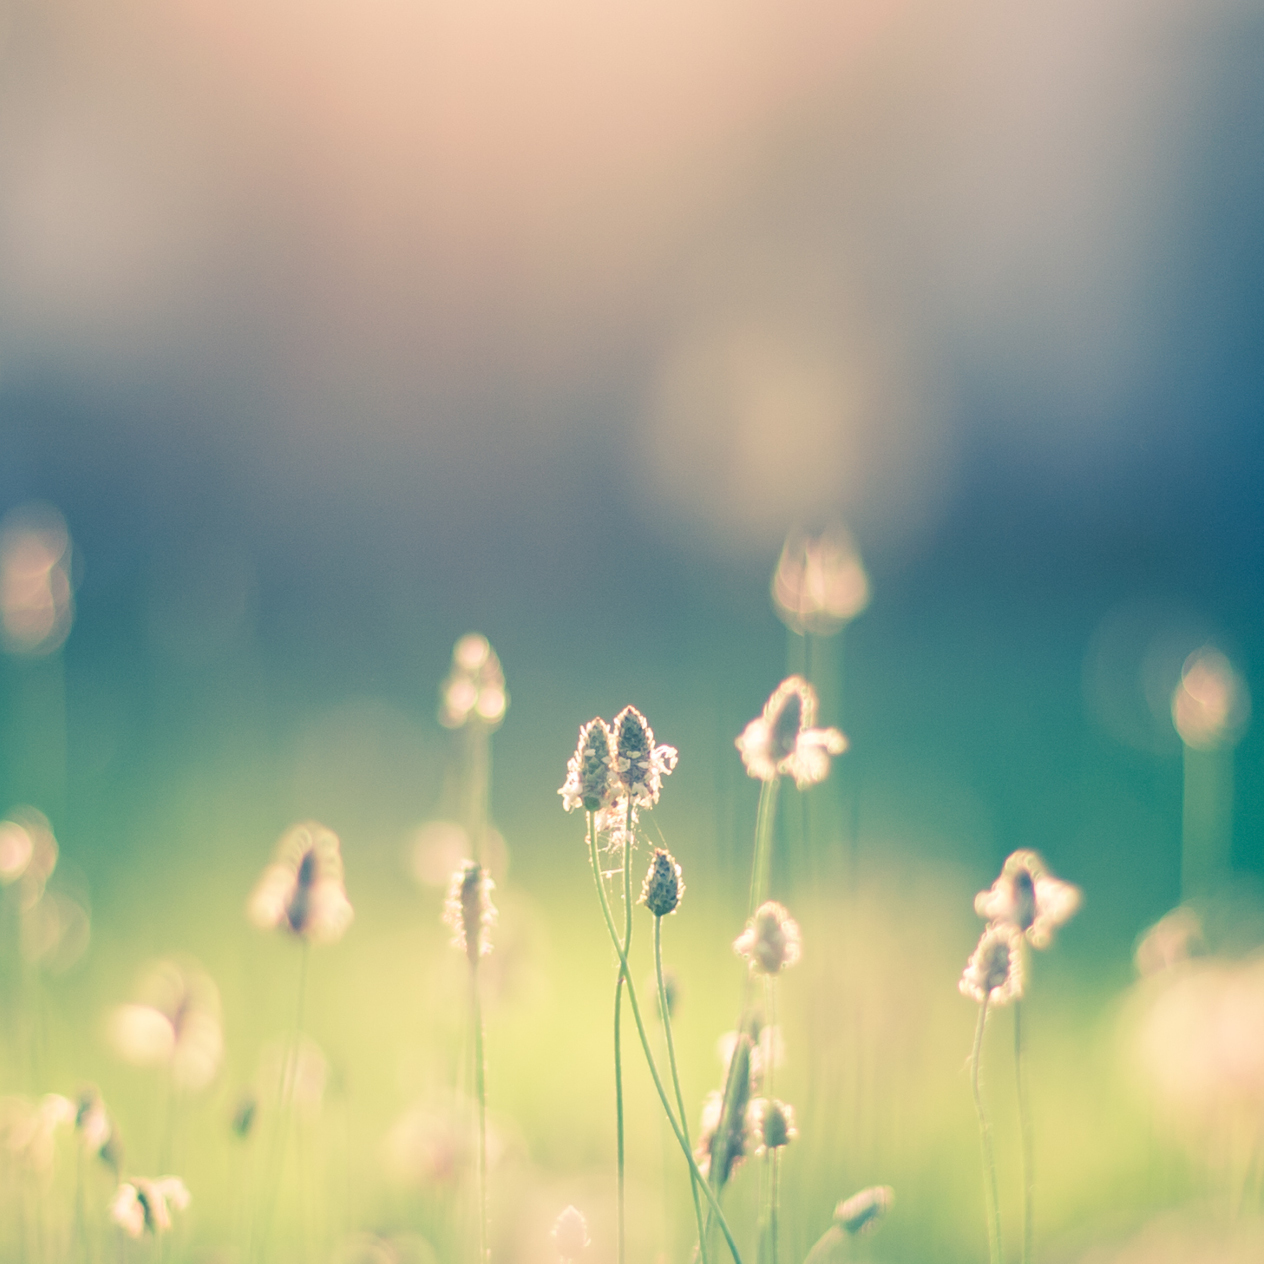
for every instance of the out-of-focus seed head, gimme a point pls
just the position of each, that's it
(782, 739)
(474, 690)
(862, 1213)
(820, 583)
(771, 941)
(1212, 705)
(590, 782)
(1028, 898)
(570, 1234)
(663, 887)
(994, 972)
(301, 891)
(469, 910)
(770, 1124)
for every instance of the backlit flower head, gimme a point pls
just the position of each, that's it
(175, 1024)
(862, 1213)
(474, 691)
(663, 887)
(144, 1206)
(302, 891)
(994, 972)
(1212, 704)
(639, 765)
(820, 583)
(590, 782)
(771, 940)
(783, 740)
(1027, 897)
(770, 1124)
(570, 1234)
(96, 1128)
(469, 910)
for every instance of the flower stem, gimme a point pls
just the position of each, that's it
(618, 1015)
(480, 1089)
(671, 1058)
(1024, 1127)
(649, 1054)
(990, 1193)
(762, 863)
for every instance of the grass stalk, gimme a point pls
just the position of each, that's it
(1024, 1128)
(762, 863)
(681, 1139)
(675, 1074)
(990, 1193)
(480, 1090)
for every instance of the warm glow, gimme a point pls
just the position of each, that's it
(36, 607)
(1211, 705)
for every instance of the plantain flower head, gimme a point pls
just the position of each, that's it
(820, 584)
(175, 1024)
(994, 973)
(144, 1206)
(663, 888)
(590, 783)
(1027, 897)
(862, 1213)
(570, 1234)
(474, 691)
(782, 740)
(302, 891)
(639, 766)
(770, 1124)
(469, 910)
(771, 940)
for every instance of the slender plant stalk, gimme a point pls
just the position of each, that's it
(990, 1192)
(1024, 1128)
(681, 1139)
(775, 1200)
(671, 1058)
(480, 1089)
(618, 1023)
(763, 843)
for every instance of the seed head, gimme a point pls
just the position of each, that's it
(301, 891)
(862, 1213)
(96, 1129)
(474, 691)
(469, 910)
(782, 740)
(994, 972)
(771, 940)
(570, 1234)
(590, 782)
(723, 1142)
(770, 1124)
(820, 584)
(639, 766)
(1027, 897)
(663, 887)
(141, 1205)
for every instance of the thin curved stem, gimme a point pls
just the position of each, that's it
(1028, 1148)
(649, 1054)
(480, 1089)
(762, 862)
(990, 1192)
(675, 1074)
(618, 1011)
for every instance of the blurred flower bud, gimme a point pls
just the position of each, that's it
(820, 584)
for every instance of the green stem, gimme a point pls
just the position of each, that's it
(480, 1089)
(618, 1103)
(649, 1054)
(775, 1200)
(618, 1011)
(1024, 1127)
(990, 1192)
(675, 1074)
(763, 843)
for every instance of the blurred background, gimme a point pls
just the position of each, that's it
(330, 333)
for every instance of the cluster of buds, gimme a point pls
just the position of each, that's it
(616, 765)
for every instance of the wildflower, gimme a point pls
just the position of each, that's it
(142, 1205)
(176, 1024)
(768, 1049)
(770, 1125)
(590, 782)
(782, 739)
(820, 583)
(96, 1129)
(475, 687)
(1211, 705)
(663, 888)
(302, 890)
(994, 973)
(570, 1234)
(1028, 898)
(469, 910)
(771, 940)
(639, 766)
(865, 1211)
